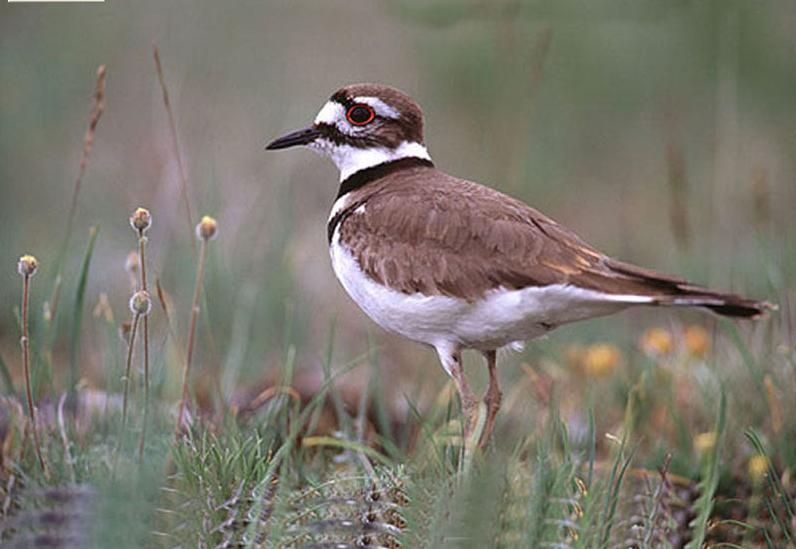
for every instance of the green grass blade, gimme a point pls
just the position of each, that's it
(775, 487)
(77, 315)
(592, 437)
(614, 493)
(709, 482)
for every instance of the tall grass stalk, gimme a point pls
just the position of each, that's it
(27, 268)
(51, 309)
(127, 368)
(205, 230)
(140, 305)
(141, 221)
(710, 480)
(174, 141)
(88, 144)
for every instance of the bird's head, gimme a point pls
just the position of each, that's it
(361, 126)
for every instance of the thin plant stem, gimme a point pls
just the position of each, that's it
(142, 268)
(127, 370)
(174, 142)
(88, 144)
(200, 270)
(25, 341)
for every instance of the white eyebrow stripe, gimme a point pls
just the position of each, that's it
(331, 113)
(381, 108)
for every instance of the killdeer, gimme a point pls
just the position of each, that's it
(457, 265)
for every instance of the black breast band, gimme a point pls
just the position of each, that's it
(359, 179)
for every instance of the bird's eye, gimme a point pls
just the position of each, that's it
(360, 115)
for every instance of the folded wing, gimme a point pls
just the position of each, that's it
(445, 236)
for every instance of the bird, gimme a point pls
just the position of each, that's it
(457, 265)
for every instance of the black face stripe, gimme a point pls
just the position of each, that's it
(363, 140)
(361, 178)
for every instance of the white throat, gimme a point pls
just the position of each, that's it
(350, 160)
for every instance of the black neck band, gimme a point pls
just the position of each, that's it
(361, 178)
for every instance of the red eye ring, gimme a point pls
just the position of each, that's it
(357, 117)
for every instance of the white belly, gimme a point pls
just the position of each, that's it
(499, 318)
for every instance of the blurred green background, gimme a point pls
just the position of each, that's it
(663, 132)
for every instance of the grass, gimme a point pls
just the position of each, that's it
(292, 470)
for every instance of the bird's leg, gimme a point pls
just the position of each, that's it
(492, 397)
(452, 362)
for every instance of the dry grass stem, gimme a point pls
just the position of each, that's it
(174, 141)
(206, 230)
(88, 144)
(27, 268)
(761, 197)
(127, 368)
(167, 314)
(140, 305)
(192, 333)
(142, 274)
(678, 182)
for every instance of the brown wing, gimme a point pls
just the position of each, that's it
(425, 231)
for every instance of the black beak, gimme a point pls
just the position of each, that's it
(298, 137)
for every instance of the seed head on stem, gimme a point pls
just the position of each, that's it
(141, 220)
(140, 305)
(27, 267)
(206, 230)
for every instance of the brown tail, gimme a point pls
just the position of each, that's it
(669, 290)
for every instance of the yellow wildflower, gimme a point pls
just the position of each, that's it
(757, 468)
(705, 442)
(697, 341)
(657, 342)
(601, 359)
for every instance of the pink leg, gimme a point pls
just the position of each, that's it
(451, 359)
(491, 398)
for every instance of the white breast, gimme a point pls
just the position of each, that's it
(501, 317)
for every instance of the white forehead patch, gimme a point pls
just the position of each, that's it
(331, 113)
(381, 108)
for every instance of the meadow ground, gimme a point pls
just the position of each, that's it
(683, 438)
